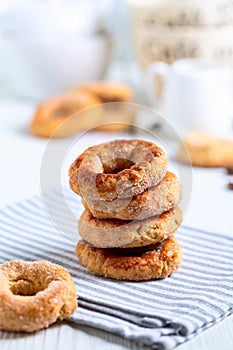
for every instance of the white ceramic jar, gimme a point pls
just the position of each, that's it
(167, 30)
(182, 12)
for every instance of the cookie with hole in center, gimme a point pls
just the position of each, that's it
(206, 150)
(107, 91)
(133, 264)
(117, 169)
(34, 295)
(154, 201)
(117, 115)
(55, 116)
(127, 234)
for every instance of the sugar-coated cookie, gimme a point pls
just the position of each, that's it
(133, 264)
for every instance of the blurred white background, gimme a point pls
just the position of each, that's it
(47, 46)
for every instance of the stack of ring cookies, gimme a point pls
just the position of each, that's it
(131, 211)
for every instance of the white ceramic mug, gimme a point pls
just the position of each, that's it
(196, 95)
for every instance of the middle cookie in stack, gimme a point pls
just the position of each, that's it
(131, 210)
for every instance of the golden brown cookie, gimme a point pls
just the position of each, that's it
(127, 234)
(117, 169)
(133, 264)
(154, 201)
(34, 295)
(55, 111)
(116, 116)
(206, 150)
(107, 91)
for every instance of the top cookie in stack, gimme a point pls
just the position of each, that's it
(131, 201)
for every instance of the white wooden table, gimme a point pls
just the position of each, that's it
(20, 156)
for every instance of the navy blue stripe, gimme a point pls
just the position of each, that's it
(210, 233)
(204, 244)
(44, 216)
(50, 237)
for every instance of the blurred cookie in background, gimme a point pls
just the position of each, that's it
(206, 150)
(53, 112)
(114, 116)
(107, 91)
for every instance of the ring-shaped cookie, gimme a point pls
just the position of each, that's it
(52, 113)
(117, 169)
(205, 150)
(117, 115)
(107, 91)
(34, 295)
(128, 234)
(133, 264)
(154, 201)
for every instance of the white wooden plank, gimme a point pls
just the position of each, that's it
(69, 337)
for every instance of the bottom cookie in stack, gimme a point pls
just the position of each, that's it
(155, 261)
(130, 250)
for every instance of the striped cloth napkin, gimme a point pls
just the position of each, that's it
(161, 314)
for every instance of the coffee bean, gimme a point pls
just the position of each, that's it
(229, 170)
